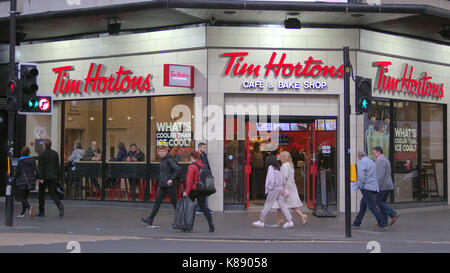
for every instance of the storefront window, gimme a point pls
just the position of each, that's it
(172, 126)
(377, 127)
(82, 146)
(126, 147)
(432, 146)
(405, 141)
(126, 123)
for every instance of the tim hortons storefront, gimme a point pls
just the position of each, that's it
(245, 91)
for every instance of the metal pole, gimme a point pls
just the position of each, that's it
(9, 197)
(347, 110)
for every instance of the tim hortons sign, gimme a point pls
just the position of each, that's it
(96, 81)
(421, 86)
(311, 67)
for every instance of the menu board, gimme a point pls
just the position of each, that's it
(299, 126)
(330, 124)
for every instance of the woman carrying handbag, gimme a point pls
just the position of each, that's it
(25, 175)
(290, 192)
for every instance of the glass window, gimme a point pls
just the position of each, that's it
(405, 151)
(172, 126)
(126, 147)
(126, 124)
(377, 127)
(82, 148)
(432, 123)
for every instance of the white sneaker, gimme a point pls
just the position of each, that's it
(258, 224)
(21, 216)
(288, 224)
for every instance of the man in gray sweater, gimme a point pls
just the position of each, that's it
(385, 184)
(367, 183)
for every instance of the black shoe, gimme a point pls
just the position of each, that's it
(148, 221)
(211, 228)
(382, 228)
(61, 210)
(40, 214)
(355, 226)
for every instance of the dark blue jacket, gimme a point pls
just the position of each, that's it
(121, 156)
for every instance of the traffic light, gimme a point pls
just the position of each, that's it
(38, 105)
(12, 95)
(363, 94)
(28, 73)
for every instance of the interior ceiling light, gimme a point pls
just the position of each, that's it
(445, 32)
(229, 12)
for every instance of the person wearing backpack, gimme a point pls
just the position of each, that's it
(192, 179)
(275, 184)
(26, 175)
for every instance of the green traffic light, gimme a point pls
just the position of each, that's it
(364, 104)
(30, 103)
(36, 104)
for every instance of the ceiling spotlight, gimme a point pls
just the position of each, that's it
(229, 12)
(292, 23)
(113, 28)
(445, 32)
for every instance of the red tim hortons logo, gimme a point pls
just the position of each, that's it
(97, 81)
(314, 68)
(421, 86)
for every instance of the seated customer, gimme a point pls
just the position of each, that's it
(135, 154)
(121, 154)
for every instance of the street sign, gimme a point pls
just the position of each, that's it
(41, 105)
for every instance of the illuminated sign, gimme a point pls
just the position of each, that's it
(421, 86)
(311, 67)
(121, 81)
(178, 75)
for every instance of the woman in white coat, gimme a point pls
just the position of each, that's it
(293, 202)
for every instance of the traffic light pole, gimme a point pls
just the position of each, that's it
(9, 197)
(347, 111)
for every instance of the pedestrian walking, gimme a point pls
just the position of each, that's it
(385, 184)
(205, 161)
(26, 176)
(368, 185)
(192, 179)
(293, 201)
(168, 173)
(50, 173)
(275, 184)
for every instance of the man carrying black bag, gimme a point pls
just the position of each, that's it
(192, 180)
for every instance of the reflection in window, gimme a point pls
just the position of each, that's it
(377, 127)
(432, 124)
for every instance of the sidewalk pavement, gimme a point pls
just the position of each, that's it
(96, 222)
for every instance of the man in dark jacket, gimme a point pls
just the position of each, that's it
(134, 155)
(169, 171)
(50, 173)
(205, 161)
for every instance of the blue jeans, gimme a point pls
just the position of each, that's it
(197, 208)
(385, 209)
(369, 200)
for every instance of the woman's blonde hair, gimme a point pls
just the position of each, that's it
(286, 156)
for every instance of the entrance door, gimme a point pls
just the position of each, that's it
(310, 142)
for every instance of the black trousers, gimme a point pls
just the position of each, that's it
(201, 200)
(22, 196)
(51, 185)
(171, 191)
